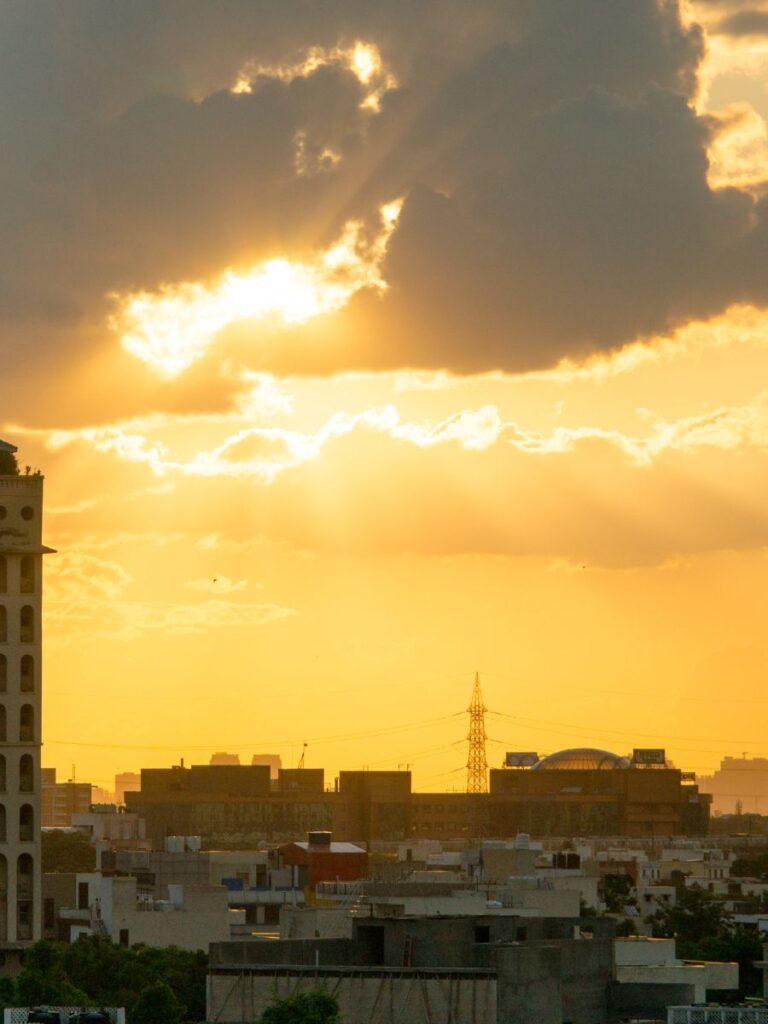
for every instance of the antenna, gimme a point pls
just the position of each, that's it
(301, 759)
(477, 765)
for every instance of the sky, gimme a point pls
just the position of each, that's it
(365, 346)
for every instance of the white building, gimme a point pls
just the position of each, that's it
(21, 550)
(654, 962)
(191, 917)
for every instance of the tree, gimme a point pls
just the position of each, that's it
(67, 851)
(695, 915)
(305, 1008)
(44, 979)
(704, 930)
(617, 893)
(157, 1005)
(8, 464)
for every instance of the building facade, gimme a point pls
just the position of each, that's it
(21, 551)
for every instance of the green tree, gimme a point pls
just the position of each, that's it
(8, 994)
(8, 464)
(617, 893)
(44, 979)
(67, 851)
(695, 915)
(305, 1008)
(157, 1004)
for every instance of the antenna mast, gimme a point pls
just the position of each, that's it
(477, 765)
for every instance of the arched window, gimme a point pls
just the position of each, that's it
(27, 723)
(24, 895)
(27, 624)
(27, 676)
(3, 673)
(26, 823)
(3, 575)
(27, 578)
(3, 832)
(26, 773)
(3, 724)
(3, 624)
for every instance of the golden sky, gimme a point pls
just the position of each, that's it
(366, 349)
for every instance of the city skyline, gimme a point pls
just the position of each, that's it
(362, 353)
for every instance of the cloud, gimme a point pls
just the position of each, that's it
(554, 169)
(750, 22)
(91, 596)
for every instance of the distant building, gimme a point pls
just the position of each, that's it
(223, 758)
(571, 793)
(273, 761)
(740, 785)
(126, 782)
(21, 551)
(60, 800)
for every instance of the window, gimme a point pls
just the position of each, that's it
(3, 511)
(3, 624)
(27, 723)
(2, 773)
(27, 675)
(3, 673)
(27, 577)
(24, 890)
(49, 913)
(124, 938)
(3, 724)
(83, 896)
(27, 624)
(26, 823)
(3, 831)
(27, 512)
(26, 774)
(3, 575)
(482, 933)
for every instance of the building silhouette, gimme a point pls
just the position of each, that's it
(21, 551)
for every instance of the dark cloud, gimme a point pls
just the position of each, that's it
(744, 23)
(555, 175)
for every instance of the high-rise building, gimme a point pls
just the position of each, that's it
(126, 782)
(60, 800)
(21, 551)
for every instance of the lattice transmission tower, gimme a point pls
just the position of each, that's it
(477, 765)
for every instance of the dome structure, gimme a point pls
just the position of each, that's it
(581, 759)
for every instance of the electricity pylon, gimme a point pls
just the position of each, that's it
(477, 765)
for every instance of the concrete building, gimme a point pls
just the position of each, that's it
(654, 962)
(571, 793)
(59, 801)
(21, 551)
(320, 859)
(469, 970)
(189, 917)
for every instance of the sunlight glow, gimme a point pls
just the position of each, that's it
(363, 60)
(173, 328)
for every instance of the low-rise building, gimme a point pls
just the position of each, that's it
(190, 917)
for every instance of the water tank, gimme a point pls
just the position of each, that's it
(319, 838)
(194, 843)
(174, 844)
